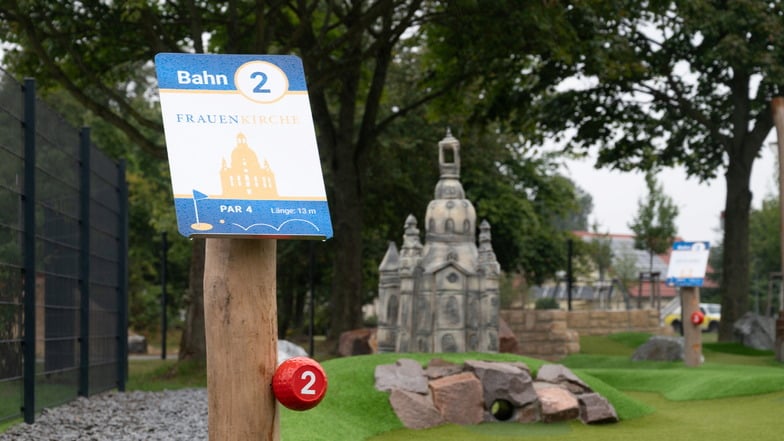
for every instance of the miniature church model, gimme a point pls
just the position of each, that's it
(441, 296)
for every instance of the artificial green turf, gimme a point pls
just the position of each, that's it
(353, 410)
(752, 417)
(706, 382)
(653, 399)
(730, 369)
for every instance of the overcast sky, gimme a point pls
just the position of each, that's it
(616, 195)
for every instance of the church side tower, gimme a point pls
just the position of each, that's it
(490, 299)
(410, 256)
(389, 299)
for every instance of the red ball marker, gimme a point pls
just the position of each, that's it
(299, 383)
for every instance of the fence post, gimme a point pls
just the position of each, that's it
(28, 199)
(84, 261)
(122, 282)
(164, 316)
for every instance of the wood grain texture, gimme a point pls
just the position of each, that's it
(241, 328)
(692, 334)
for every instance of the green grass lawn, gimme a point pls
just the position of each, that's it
(737, 393)
(737, 389)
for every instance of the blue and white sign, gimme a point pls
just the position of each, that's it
(242, 146)
(688, 262)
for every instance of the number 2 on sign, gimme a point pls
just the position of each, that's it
(306, 390)
(259, 87)
(261, 81)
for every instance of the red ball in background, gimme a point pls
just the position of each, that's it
(299, 383)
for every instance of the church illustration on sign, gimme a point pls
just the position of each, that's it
(442, 296)
(245, 177)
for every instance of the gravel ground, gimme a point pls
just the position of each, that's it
(112, 416)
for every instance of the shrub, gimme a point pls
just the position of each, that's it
(546, 303)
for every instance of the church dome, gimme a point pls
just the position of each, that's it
(450, 220)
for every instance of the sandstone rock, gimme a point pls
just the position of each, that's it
(520, 365)
(559, 374)
(502, 381)
(660, 348)
(507, 340)
(557, 404)
(137, 344)
(414, 410)
(756, 331)
(595, 409)
(530, 413)
(488, 391)
(355, 342)
(405, 374)
(459, 398)
(287, 349)
(438, 368)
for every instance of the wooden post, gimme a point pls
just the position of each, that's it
(240, 316)
(777, 108)
(692, 334)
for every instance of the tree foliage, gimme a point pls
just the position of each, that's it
(600, 251)
(645, 84)
(95, 50)
(654, 224)
(352, 51)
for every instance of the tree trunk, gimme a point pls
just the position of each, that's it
(285, 307)
(346, 298)
(297, 319)
(193, 343)
(735, 258)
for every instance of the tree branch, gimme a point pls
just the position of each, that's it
(101, 110)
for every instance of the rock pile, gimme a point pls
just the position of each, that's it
(756, 331)
(660, 348)
(487, 391)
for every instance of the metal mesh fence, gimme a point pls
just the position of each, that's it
(63, 229)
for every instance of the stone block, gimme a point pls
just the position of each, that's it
(405, 374)
(557, 404)
(660, 348)
(595, 409)
(512, 317)
(287, 349)
(563, 376)
(507, 340)
(531, 413)
(502, 381)
(355, 342)
(529, 321)
(756, 331)
(578, 319)
(459, 398)
(438, 368)
(414, 410)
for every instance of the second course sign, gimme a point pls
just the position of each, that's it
(245, 171)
